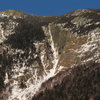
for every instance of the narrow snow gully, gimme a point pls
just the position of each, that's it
(53, 71)
(33, 87)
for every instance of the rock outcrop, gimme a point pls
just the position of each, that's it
(50, 58)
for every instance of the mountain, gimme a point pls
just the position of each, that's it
(50, 57)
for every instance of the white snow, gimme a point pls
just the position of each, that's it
(91, 49)
(34, 83)
(6, 79)
(4, 15)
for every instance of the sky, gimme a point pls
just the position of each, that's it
(48, 7)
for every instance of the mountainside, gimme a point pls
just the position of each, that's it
(50, 57)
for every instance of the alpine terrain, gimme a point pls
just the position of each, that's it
(50, 57)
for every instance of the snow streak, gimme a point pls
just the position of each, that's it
(32, 87)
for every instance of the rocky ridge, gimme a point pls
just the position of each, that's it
(42, 55)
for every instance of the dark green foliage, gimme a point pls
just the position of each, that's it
(25, 34)
(5, 62)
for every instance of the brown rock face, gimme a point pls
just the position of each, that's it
(50, 58)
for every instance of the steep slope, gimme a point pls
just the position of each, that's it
(80, 53)
(27, 54)
(78, 83)
(35, 48)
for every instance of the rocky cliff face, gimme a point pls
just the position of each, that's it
(50, 58)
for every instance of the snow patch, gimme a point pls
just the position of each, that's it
(91, 49)
(34, 83)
